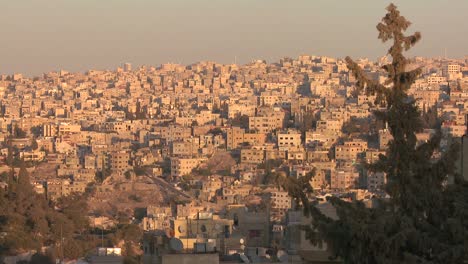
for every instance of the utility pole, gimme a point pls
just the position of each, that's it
(61, 243)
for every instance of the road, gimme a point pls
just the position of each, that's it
(167, 186)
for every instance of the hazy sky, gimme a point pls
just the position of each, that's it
(42, 35)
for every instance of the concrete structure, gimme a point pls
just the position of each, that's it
(190, 258)
(183, 166)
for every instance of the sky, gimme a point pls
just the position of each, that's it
(38, 36)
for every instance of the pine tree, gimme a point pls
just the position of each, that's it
(34, 144)
(11, 181)
(23, 175)
(425, 220)
(10, 157)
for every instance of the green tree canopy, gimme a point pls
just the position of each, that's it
(425, 220)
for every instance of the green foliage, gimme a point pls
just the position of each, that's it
(102, 175)
(10, 155)
(357, 125)
(41, 259)
(215, 131)
(72, 207)
(36, 131)
(140, 112)
(271, 175)
(184, 183)
(30, 222)
(166, 166)
(425, 220)
(18, 132)
(131, 260)
(309, 122)
(128, 175)
(135, 198)
(140, 171)
(4, 176)
(34, 144)
(240, 121)
(203, 171)
(430, 118)
(139, 213)
(23, 176)
(129, 233)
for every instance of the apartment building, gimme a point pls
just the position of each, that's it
(183, 166)
(289, 139)
(350, 150)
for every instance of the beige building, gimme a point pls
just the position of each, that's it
(325, 138)
(376, 181)
(212, 258)
(65, 129)
(435, 79)
(319, 181)
(298, 241)
(206, 227)
(329, 125)
(188, 147)
(452, 71)
(280, 200)
(236, 136)
(344, 179)
(252, 155)
(32, 155)
(350, 150)
(289, 139)
(384, 137)
(252, 226)
(120, 161)
(267, 120)
(49, 130)
(453, 130)
(58, 188)
(426, 98)
(183, 166)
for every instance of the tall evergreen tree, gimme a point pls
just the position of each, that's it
(11, 181)
(10, 156)
(425, 220)
(23, 175)
(34, 144)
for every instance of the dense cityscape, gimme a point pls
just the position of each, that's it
(187, 163)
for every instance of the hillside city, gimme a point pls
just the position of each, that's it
(190, 155)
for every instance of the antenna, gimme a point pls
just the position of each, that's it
(176, 244)
(61, 243)
(181, 229)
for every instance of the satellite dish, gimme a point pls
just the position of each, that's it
(282, 256)
(181, 229)
(176, 244)
(203, 228)
(218, 228)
